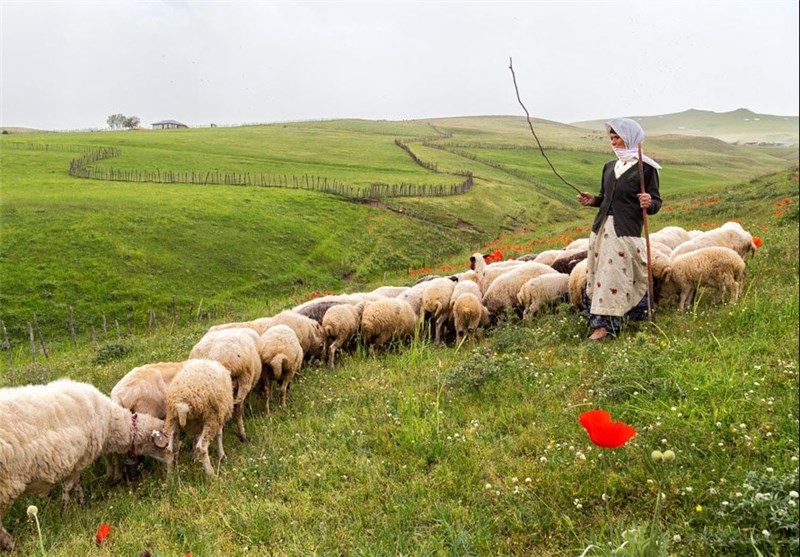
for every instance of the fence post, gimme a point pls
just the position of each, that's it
(33, 342)
(6, 344)
(105, 326)
(71, 323)
(41, 337)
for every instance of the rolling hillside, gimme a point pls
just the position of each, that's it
(740, 126)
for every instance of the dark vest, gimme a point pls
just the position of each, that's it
(618, 198)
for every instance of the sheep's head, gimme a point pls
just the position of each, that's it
(149, 438)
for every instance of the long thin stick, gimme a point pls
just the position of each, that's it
(647, 243)
(530, 125)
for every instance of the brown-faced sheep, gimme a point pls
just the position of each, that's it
(717, 267)
(282, 357)
(199, 398)
(50, 433)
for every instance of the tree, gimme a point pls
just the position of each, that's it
(117, 121)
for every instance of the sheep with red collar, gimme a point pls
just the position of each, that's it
(51, 433)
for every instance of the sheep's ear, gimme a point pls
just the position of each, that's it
(159, 439)
(472, 262)
(453, 278)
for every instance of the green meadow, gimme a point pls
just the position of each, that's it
(416, 450)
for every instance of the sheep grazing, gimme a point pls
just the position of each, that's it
(671, 236)
(389, 291)
(317, 311)
(199, 398)
(469, 314)
(730, 235)
(340, 325)
(308, 332)
(503, 291)
(50, 433)
(541, 292)
(717, 267)
(281, 357)
(386, 320)
(236, 350)
(548, 256)
(436, 303)
(413, 296)
(143, 390)
(581, 244)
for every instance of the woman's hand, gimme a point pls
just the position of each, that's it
(644, 200)
(585, 199)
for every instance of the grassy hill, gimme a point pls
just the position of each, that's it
(476, 449)
(125, 254)
(740, 126)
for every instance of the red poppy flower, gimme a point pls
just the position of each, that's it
(102, 533)
(603, 431)
(757, 241)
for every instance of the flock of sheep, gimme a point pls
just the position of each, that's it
(50, 433)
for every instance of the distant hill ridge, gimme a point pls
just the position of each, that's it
(740, 126)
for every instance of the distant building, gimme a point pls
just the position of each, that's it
(167, 124)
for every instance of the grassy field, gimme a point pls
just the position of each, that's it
(129, 254)
(419, 450)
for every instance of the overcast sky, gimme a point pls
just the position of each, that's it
(69, 65)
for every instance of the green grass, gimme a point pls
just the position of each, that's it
(471, 450)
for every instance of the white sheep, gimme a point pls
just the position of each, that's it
(50, 433)
(308, 331)
(580, 244)
(436, 303)
(730, 235)
(547, 257)
(386, 320)
(413, 296)
(502, 293)
(389, 291)
(542, 291)
(144, 389)
(717, 267)
(340, 325)
(671, 236)
(282, 357)
(235, 349)
(199, 398)
(469, 314)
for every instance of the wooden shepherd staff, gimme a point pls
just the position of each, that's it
(650, 308)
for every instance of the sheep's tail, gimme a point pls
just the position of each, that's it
(277, 365)
(183, 409)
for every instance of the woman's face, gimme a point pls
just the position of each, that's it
(616, 141)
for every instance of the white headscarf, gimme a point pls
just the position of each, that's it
(632, 134)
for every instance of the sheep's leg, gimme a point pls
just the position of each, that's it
(267, 394)
(113, 469)
(332, 353)
(6, 541)
(683, 304)
(285, 388)
(441, 321)
(73, 482)
(173, 443)
(238, 412)
(201, 449)
(220, 449)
